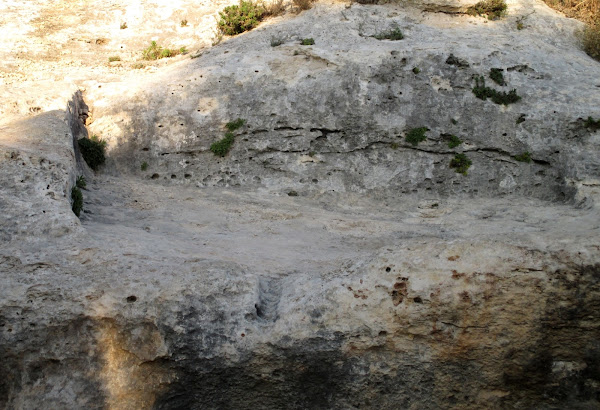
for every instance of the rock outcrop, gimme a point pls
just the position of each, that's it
(325, 261)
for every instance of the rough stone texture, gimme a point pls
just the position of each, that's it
(319, 119)
(390, 281)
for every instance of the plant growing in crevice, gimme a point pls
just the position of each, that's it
(144, 166)
(307, 42)
(237, 19)
(521, 119)
(223, 146)
(497, 76)
(416, 135)
(123, 26)
(183, 23)
(234, 125)
(277, 41)
(492, 9)
(80, 182)
(524, 157)
(77, 199)
(460, 163)
(592, 124)
(394, 35)
(499, 97)
(92, 150)
(454, 141)
(113, 59)
(416, 70)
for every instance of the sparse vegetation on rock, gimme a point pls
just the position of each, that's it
(307, 42)
(77, 200)
(497, 76)
(394, 35)
(223, 146)
(492, 9)
(460, 163)
(592, 124)
(499, 97)
(92, 151)
(416, 135)
(156, 52)
(524, 157)
(80, 182)
(454, 141)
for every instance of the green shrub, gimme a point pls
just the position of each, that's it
(144, 166)
(307, 42)
(80, 182)
(416, 135)
(234, 125)
(223, 146)
(590, 123)
(123, 26)
(493, 9)
(237, 19)
(92, 151)
(183, 23)
(496, 76)
(499, 97)
(524, 157)
(453, 121)
(416, 70)
(454, 141)
(395, 35)
(460, 163)
(77, 198)
(114, 58)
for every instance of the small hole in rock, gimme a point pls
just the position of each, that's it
(418, 300)
(388, 269)
(131, 299)
(155, 176)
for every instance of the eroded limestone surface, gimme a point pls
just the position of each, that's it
(385, 280)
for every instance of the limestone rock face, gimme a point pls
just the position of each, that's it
(325, 261)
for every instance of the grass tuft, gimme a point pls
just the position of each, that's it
(394, 35)
(497, 76)
(524, 157)
(234, 125)
(144, 166)
(454, 141)
(223, 146)
(80, 182)
(499, 97)
(307, 42)
(156, 52)
(416, 135)
(460, 163)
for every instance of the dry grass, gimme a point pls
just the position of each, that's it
(587, 11)
(273, 8)
(302, 5)
(590, 39)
